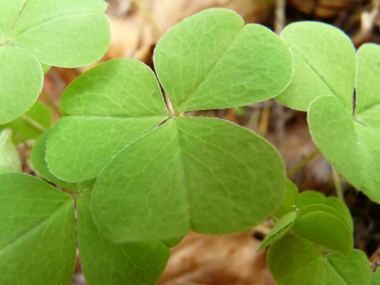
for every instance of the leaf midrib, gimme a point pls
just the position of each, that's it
(179, 107)
(44, 22)
(38, 226)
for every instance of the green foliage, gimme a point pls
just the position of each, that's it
(168, 174)
(39, 113)
(68, 33)
(156, 174)
(296, 261)
(326, 72)
(37, 241)
(9, 159)
(139, 263)
(375, 279)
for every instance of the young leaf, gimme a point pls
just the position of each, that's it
(21, 81)
(104, 262)
(109, 107)
(9, 159)
(325, 226)
(39, 113)
(290, 200)
(67, 33)
(211, 60)
(311, 197)
(37, 232)
(324, 60)
(280, 229)
(190, 173)
(296, 261)
(39, 163)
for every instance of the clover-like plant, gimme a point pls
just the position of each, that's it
(340, 90)
(166, 173)
(66, 33)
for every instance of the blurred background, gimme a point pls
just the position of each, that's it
(136, 27)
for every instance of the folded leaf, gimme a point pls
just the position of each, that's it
(9, 158)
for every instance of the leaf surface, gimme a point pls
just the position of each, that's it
(21, 81)
(280, 229)
(9, 158)
(212, 61)
(296, 261)
(290, 200)
(345, 128)
(325, 226)
(190, 173)
(103, 262)
(109, 107)
(10, 10)
(39, 163)
(39, 113)
(324, 61)
(37, 232)
(67, 33)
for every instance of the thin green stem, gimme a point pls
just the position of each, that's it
(51, 103)
(337, 184)
(34, 123)
(149, 17)
(303, 162)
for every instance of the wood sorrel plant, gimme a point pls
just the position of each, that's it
(142, 177)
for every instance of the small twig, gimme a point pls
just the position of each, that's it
(375, 259)
(337, 184)
(264, 119)
(279, 20)
(51, 103)
(302, 163)
(34, 123)
(149, 17)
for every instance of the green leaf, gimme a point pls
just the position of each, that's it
(10, 10)
(349, 145)
(290, 200)
(21, 81)
(324, 64)
(39, 163)
(68, 33)
(325, 70)
(9, 159)
(325, 226)
(110, 106)
(39, 113)
(279, 230)
(352, 270)
(367, 85)
(375, 278)
(37, 232)
(190, 173)
(296, 261)
(139, 263)
(211, 61)
(342, 208)
(310, 197)
(45, 68)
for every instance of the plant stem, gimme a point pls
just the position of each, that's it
(34, 123)
(303, 162)
(51, 103)
(149, 17)
(338, 185)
